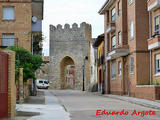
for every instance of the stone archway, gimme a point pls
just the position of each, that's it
(66, 70)
(69, 43)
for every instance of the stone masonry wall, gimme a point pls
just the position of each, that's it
(71, 42)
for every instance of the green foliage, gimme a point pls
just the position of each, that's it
(24, 59)
(37, 41)
(156, 83)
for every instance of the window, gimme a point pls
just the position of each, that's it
(119, 38)
(113, 70)
(8, 40)
(132, 64)
(157, 25)
(157, 65)
(46, 82)
(113, 42)
(113, 14)
(131, 30)
(119, 8)
(8, 13)
(119, 68)
(130, 1)
(40, 81)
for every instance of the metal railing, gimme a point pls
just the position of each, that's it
(5, 42)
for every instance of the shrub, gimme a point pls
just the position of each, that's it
(24, 59)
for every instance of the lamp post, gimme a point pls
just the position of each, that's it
(85, 58)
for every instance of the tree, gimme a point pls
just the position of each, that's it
(37, 42)
(24, 59)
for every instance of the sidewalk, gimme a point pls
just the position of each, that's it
(138, 101)
(31, 100)
(143, 102)
(50, 110)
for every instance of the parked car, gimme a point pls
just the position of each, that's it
(42, 83)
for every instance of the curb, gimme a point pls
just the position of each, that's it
(144, 104)
(27, 114)
(135, 102)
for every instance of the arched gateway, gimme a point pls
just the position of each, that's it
(68, 47)
(67, 73)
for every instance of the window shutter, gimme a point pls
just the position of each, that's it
(8, 40)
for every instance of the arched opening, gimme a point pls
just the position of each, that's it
(67, 75)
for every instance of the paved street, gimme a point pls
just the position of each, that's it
(78, 105)
(83, 106)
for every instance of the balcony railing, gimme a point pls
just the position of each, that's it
(111, 27)
(154, 42)
(37, 27)
(118, 52)
(153, 5)
(5, 42)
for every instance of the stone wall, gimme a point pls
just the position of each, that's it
(69, 42)
(27, 88)
(43, 72)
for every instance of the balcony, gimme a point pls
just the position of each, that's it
(111, 27)
(153, 5)
(119, 52)
(6, 42)
(154, 42)
(37, 27)
(37, 8)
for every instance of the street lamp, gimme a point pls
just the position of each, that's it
(85, 58)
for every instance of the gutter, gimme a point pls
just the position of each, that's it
(103, 7)
(106, 6)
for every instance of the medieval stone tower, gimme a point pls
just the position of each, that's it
(69, 46)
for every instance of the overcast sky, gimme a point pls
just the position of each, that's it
(72, 11)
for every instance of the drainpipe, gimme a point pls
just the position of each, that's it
(150, 36)
(32, 43)
(150, 67)
(150, 25)
(106, 63)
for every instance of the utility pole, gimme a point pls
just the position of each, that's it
(83, 77)
(86, 58)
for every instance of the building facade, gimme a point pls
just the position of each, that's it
(93, 63)
(37, 18)
(126, 47)
(18, 20)
(154, 40)
(99, 45)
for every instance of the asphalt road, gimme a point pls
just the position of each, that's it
(83, 106)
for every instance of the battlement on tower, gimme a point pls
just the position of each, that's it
(74, 27)
(70, 33)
